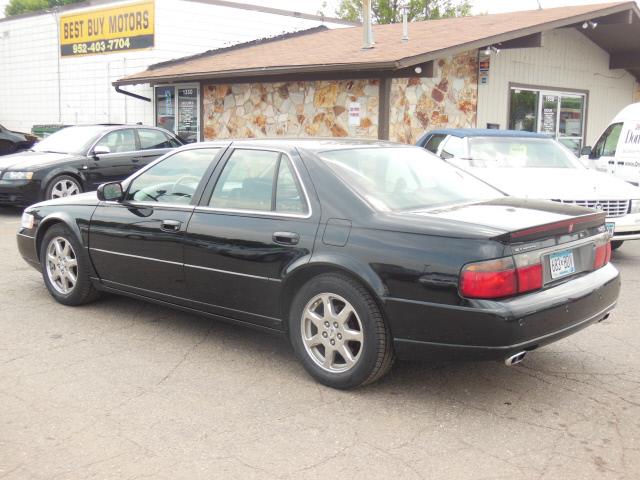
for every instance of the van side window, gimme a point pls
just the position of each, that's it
(608, 142)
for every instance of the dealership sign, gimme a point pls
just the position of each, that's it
(126, 27)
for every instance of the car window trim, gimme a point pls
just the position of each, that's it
(216, 176)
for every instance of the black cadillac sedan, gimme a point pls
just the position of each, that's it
(359, 251)
(78, 159)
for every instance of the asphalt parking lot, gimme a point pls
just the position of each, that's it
(129, 390)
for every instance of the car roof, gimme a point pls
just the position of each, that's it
(486, 132)
(311, 144)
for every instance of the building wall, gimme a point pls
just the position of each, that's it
(30, 72)
(298, 109)
(636, 94)
(567, 59)
(446, 100)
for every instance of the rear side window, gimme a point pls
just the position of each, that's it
(152, 139)
(434, 142)
(258, 180)
(608, 142)
(119, 141)
(174, 179)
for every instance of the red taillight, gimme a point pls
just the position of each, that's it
(529, 278)
(498, 279)
(602, 256)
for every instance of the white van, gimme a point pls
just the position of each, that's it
(617, 151)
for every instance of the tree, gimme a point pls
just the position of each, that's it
(390, 11)
(16, 7)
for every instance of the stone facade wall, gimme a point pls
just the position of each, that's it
(449, 99)
(636, 95)
(295, 109)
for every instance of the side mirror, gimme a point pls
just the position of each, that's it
(110, 192)
(100, 151)
(585, 151)
(444, 155)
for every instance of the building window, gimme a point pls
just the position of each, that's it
(177, 108)
(556, 113)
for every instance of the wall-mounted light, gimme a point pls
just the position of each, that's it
(418, 70)
(491, 49)
(588, 24)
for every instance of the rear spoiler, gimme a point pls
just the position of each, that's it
(563, 227)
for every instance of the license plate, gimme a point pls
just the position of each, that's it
(561, 264)
(610, 227)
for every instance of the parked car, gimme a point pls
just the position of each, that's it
(532, 165)
(617, 151)
(357, 250)
(78, 159)
(11, 142)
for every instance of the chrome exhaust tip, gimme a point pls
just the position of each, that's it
(513, 359)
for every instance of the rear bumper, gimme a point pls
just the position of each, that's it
(495, 330)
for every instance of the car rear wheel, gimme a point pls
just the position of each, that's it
(338, 332)
(65, 267)
(63, 186)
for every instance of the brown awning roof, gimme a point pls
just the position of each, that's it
(340, 49)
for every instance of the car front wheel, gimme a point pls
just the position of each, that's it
(63, 186)
(338, 332)
(65, 267)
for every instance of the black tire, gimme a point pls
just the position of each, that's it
(57, 180)
(616, 244)
(374, 355)
(83, 291)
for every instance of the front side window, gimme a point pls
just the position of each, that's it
(152, 139)
(608, 143)
(405, 178)
(258, 180)
(174, 179)
(119, 141)
(453, 148)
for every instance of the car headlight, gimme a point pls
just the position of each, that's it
(17, 175)
(635, 206)
(27, 221)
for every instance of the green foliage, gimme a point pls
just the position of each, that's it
(390, 11)
(16, 7)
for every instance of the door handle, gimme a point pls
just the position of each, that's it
(286, 238)
(171, 226)
(136, 160)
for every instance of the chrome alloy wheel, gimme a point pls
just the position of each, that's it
(62, 265)
(332, 332)
(64, 188)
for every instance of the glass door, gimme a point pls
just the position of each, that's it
(554, 113)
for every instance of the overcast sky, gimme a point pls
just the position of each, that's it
(479, 6)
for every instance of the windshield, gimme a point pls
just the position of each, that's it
(69, 140)
(405, 178)
(506, 152)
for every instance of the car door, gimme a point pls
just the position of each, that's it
(604, 151)
(254, 221)
(153, 144)
(116, 165)
(137, 245)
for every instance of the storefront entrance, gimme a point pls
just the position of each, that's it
(557, 113)
(177, 109)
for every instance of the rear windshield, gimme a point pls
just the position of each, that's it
(405, 178)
